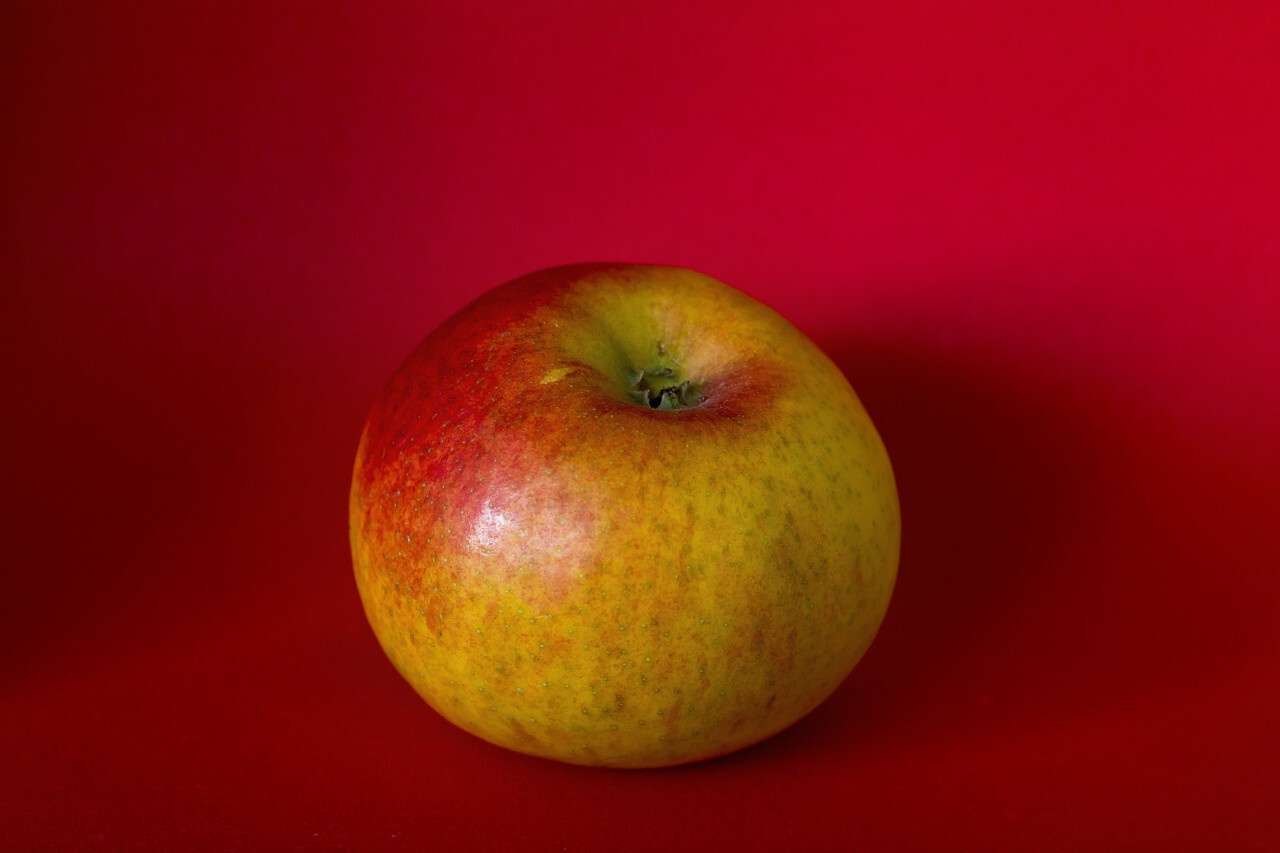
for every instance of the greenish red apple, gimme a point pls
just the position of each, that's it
(622, 515)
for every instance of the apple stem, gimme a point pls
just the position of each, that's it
(658, 388)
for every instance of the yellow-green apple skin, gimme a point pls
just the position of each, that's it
(562, 569)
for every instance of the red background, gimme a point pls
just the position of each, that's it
(1041, 239)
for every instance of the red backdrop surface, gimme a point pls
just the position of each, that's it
(1042, 240)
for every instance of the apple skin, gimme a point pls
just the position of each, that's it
(569, 573)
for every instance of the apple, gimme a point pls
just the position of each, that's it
(622, 515)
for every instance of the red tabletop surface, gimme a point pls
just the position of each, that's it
(1042, 240)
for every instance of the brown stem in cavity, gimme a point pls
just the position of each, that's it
(658, 388)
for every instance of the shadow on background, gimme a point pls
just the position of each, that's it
(997, 467)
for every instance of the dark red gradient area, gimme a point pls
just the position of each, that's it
(1041, 241)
